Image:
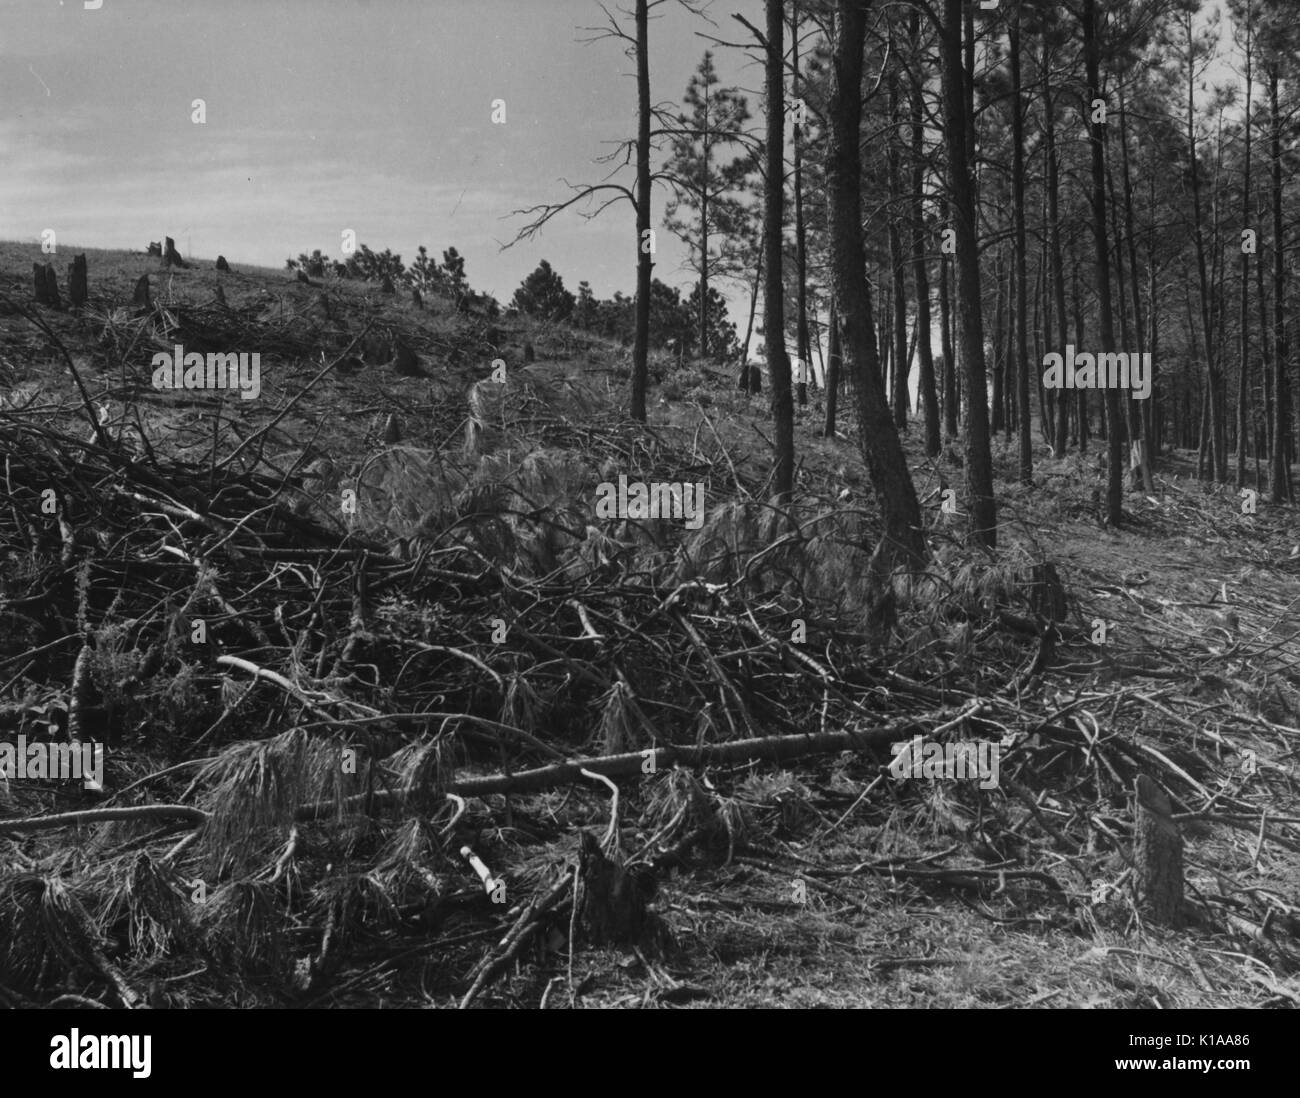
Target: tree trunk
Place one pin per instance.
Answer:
(979, 461)
(1026, 470)
(833, 357)
(920, 275)
(1243, 378)
(1279, 479)
(753, 305)
(903, 540)
(897, 264)
(1212, 382)
(778, 362)
(949, 364)
(1097, 135)
(800, 236)
(644, 264)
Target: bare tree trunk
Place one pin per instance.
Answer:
(979, 461)
(778, 362)
(1026, 469)
(920, 274)
(897, 265)
(1243, 379)
(753, 305)
(833, 358)
(800, 236)
(1279, 479)
(950, 400)
(1062, 439)
(903, 540)
(1097, 135)
(1144, 418)
(644, 264)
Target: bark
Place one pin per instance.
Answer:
(801, 236)
(778, 362)
(644, 264)
(1279, 478)
(920, 274)
(979, 463)
(903, 539)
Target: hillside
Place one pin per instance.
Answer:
(336, 635)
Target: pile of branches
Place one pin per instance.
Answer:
(314, 741)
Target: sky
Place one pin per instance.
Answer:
(328, 115)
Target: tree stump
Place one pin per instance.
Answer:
(155, 248)
(222, 265)
(1157, 855)
(392, 429)
(47, 286)
(141, 295)
(529, 354)
(375, 349)
(1047, 593)
(406, 363)
(77, 288)
(614, 899)
(40, 289)
(755, 380)
(171, 257)
(221, 297)
(416, 299)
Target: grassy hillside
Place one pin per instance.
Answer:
(333, 635)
